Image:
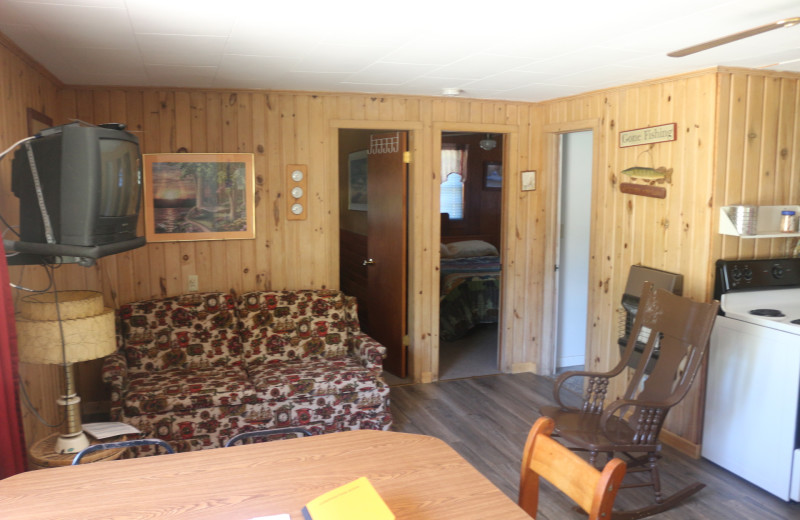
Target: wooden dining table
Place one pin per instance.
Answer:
(419, 477)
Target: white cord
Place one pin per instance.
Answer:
(16, 144)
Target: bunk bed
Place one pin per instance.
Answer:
(470, 287)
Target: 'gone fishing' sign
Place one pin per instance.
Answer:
(651, 134)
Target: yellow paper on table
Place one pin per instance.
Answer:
(354, 501)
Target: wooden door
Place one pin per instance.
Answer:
(387, 246)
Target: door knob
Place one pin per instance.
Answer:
(368, 261)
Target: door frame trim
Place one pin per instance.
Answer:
(414, 283)
(510, 178)
(551, 135)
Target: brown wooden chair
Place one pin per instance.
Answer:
(594, 491)
(674, 332)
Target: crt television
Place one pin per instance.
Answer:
(90, 181)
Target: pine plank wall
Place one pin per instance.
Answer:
(738, 142)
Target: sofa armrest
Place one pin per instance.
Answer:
(368, 351)
(115, 375)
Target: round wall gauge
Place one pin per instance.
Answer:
(297, 209)
(297, 192)
(297, 176)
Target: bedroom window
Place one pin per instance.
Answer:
(451, 195)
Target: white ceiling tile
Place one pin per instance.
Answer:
(120, 4)
(334, 58)
(69, 19)
(429, 51)
(171, 76)
(15, 13)
(108, 61)
(254, 67)
(198, 17)
(389, 73)
(324, 82)
(502, 50)
(435, 84)
(478, 66)
(542, 92)
(263, 41)
(153, 45)
(602, 76)
(507, 80)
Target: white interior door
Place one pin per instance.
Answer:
(573, 262)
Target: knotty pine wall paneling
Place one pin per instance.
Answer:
(674, 233)
(24, 84)
(281, 128)
(758, 152)
(289, 127)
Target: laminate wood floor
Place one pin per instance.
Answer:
(486, 420)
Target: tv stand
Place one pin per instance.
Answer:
(34, 252)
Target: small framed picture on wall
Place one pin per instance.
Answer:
(492, 175)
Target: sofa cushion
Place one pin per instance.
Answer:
(338, 393)
(182, 391)
(189, 331)
(291, 326)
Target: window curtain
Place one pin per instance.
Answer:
(12, 445)
(454, 160)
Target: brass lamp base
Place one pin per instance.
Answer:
(74, 440)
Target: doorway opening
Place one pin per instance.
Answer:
(575, 208)
(373, 236)
(470, 271)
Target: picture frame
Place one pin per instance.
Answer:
(199, 196)
(37, 121)
(357, 181)
(492, 175)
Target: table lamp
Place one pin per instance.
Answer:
(79, 329)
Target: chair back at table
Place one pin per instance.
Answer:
(592, 489)
(265, 434)
(121, 444)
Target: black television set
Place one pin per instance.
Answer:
(90, 187)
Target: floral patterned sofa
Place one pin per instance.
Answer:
(196, 369)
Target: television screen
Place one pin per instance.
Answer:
(120, 178)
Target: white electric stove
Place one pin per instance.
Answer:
(753, 385)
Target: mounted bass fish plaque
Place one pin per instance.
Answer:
(650, 176)
(649, 135)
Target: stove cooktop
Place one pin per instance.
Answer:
(773, 308)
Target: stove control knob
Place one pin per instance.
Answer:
(736, 275)
(747, 274)
(777, 271)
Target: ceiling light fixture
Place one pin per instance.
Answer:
(488, 143)
(452, 92)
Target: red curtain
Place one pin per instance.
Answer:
(12, 445)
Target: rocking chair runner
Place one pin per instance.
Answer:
(678, 330)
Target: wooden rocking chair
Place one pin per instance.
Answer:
(675, 333)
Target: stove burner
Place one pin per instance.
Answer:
(795, 322)
(770, 313)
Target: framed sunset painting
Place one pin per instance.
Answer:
(206, 196)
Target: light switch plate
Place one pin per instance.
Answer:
(192, 284)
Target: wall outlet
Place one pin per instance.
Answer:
(193, 283)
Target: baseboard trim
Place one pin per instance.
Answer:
(518, 368)
(679, 443)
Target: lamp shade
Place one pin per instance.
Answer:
(88, 328)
